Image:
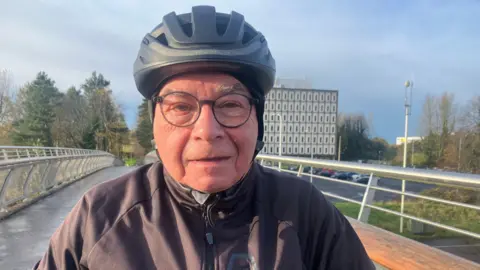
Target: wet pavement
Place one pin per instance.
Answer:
(24, 236)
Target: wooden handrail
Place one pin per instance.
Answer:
(396, 252)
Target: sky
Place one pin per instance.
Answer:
(364, 49)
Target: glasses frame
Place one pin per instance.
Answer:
(251, 101)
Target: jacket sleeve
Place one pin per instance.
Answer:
(65, 248)
(336, 244)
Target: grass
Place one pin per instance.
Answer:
(462, 218)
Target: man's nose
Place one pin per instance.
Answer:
(206, 127)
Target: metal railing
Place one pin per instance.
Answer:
(29, 171)
(448, 179)
(9, 153)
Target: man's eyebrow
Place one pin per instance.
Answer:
(237, 87)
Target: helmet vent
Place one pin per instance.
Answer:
(187, 29)
(247, 36)
(163, 39)
(221, 25)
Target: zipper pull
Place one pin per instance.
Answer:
(209, 236)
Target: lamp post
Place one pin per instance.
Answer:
(280, 142)
(408, 106)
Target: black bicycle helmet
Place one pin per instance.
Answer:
(205, 40)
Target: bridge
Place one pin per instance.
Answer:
(39, 186)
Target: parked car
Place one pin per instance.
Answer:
(340, 175)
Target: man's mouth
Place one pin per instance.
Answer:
(211, 159)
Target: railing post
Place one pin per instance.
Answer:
(300, 170)
(4, 189)
(18, 153)
(368, 197)
(5, 155)
(402, 203)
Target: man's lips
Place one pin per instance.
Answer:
(210, 159)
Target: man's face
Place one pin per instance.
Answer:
(205, 155)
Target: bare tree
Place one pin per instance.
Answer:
(6, 106)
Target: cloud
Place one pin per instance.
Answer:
(365, 49)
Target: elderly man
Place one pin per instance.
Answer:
(207, 205)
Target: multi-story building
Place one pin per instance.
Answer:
(308, 121)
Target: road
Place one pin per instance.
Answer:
(24, 236)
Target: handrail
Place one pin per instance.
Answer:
(27, 152)
(34, 170)
(417, 175)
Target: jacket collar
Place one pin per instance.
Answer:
(224, 203)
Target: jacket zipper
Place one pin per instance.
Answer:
(209, 247)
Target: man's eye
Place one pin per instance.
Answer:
(230, 104)
(182, 107)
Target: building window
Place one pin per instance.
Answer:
(290, 129)
(328, 97)
(334, 108)
(291, 107)
(290, 117)
(320, 129)
(271, 138)
(283, 138)
(277, 140)
(326, 150)
(296, 107)
(308, 139)
(333, 118)
(321, 119)
(302, 130)
(289, 149)
(271, 128)
(320, 140)
(308, 118)
(326, 129)
(326, 119)
(314, 129)
(303, 96)
(266, 128)
(271, 117)
(309, 107)
(278, 128)
(296, 139)
(314, 140)
(296, 150)
(303, 107)
(296, 129)
(296, 118)
(303, 118)
(301, 140)
(332, 140)
(321, 96)
(334, 97)
(272, 106)
(321, 108)
(314, 118)
(271, 149)
(327, 108)
(289, 139)
(277, 150)
(301, 149)
(284, 106)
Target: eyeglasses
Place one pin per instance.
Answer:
(182, 109)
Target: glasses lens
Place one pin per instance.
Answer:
(180, 109)
(232, 110)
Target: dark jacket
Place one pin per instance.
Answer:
(146, 220)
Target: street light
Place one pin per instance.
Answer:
(408, 107)
(280, 149)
